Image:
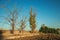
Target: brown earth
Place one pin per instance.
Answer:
(30, 36)
(39, 37)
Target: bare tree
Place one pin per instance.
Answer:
(32, 21)
(22, 24)
(11, 18)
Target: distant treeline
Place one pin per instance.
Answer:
(46, 29)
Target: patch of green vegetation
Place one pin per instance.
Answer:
(45, 29)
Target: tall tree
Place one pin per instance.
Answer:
(32, 21)
(11, 18)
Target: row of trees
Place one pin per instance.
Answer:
(45, 29)
(11, 19)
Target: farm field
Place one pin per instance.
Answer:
(31, 36)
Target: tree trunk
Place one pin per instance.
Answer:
(12, 31)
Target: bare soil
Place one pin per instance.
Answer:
(39, 37)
